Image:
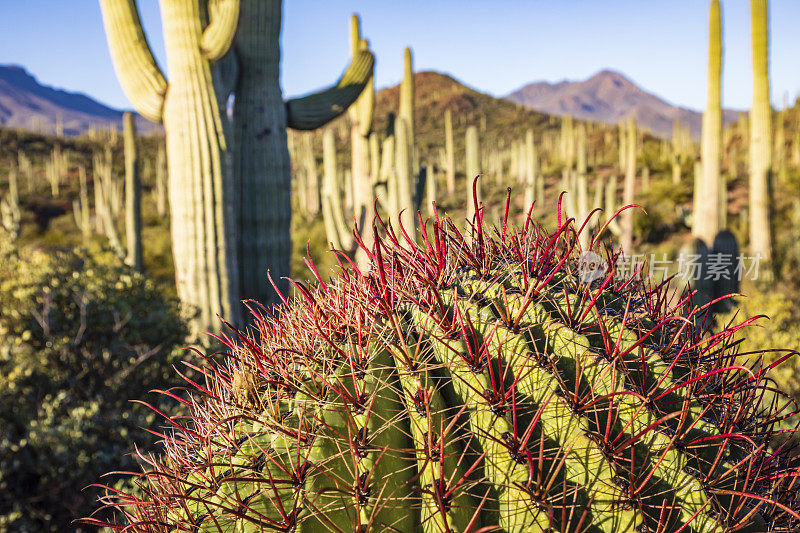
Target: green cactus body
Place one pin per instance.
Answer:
(80, 207)
(336, 226)
(430, 190)
(161, 181)
(197, 139)
(707, 219)
(361, 113)
(693, 272)
(133, 195)
(760, 135)
(450, 156)
(532, 169)
(726, 253)
(473, 169)
(475, 385)
(628, 189)
(10, 214)
(406, 109)
(403, 177)
(229, 225)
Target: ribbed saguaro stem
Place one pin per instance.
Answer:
(473, 166)
(200, 187)
(161, 181)
(336, 227)
(361, 113)
(406, 110)
(403, 176)
(133, 194)
(261, 165)
(450, 156)
(707, 207)
(760, 135)
(626, 218)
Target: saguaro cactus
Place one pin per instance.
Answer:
(450, 154)
(10, 215)
(760, 135)
(197, 140)
(133, 195)
(707, 219)
(228, 228)
(261, 172)
(473, 166)
(361, 113)
(406, 109)
(161, 181)
(626, 219)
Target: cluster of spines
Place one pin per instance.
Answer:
(480, 383)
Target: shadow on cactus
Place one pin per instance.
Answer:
(474, 383)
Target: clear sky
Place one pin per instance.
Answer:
(493, 45)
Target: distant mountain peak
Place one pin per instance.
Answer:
(609, 96)
(28, 104)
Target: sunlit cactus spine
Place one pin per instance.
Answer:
(760, 135)
(707, 219)
(475, 385)
(133, 194)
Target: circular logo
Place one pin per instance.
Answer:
(591, 266)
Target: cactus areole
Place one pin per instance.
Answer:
(472, 385)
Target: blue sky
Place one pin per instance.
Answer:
(493, 45)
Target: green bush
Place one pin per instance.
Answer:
(777, 305)
(80, 335)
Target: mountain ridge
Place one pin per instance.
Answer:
(610, 96)
(27, 103)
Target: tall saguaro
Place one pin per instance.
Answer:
(197, 141)
(133, 194)
(760, 135)
(361, 114)
(626, 218)
(229, 226)
(707, 219)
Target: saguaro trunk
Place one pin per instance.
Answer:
(707, 208)
(760, 135)
(133, 195)
(196, 138)
(261, 168)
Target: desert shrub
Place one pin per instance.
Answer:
(777, 303)
(80, 335)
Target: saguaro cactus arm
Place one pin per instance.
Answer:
(317, 109)
(218, 35)
(139, 74)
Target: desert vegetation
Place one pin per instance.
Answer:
(452, 365)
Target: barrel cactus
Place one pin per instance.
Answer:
(474, 383)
